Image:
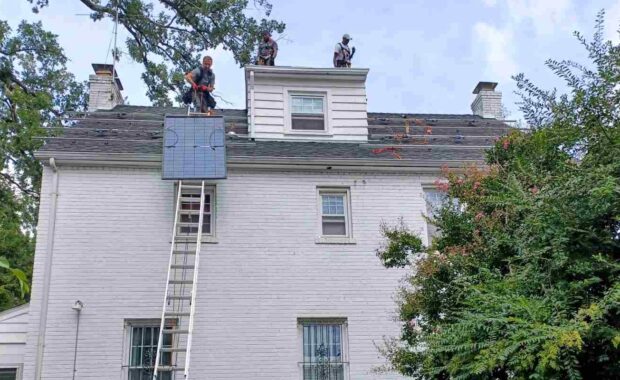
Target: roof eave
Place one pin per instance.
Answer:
(281, 163)
(329, 73)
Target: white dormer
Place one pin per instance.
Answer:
(298, 103)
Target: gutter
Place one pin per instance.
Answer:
(47, 274)
(297, 163)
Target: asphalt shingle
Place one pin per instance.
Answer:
(392, 136)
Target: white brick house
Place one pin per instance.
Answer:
(276, 278)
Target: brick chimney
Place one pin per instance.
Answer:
(488, 102)
(105, 88)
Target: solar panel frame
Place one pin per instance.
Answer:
(194, 148)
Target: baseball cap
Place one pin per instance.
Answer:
(347, 36)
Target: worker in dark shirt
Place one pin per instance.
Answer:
(267, 50)
(202, 80)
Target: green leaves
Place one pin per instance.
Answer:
(36, 90)
(170, 36)
(401, 246)
(523, 283)
(18, 274)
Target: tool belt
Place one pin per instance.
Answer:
(266, 61)
(342, 63)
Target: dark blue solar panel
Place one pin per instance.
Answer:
(194, 148)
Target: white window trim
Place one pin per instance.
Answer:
(328, 239)
(211, 237)
(327, 320)
(327, 98)
(19, 373)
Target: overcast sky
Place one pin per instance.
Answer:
(424, 56)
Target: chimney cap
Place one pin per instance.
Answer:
(485, 86)
(105, 69)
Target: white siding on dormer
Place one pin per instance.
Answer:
(346, 107)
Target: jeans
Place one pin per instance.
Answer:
(203, 101)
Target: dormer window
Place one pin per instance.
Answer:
(307, 112)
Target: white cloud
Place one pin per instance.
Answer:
(546, 16)
(612, 22)
(497, 48)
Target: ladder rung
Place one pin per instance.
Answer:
(173, 349)
(184, 252)
(175, 331)
(191, 186)
(189, 282)
(177, 314)
(181, 266)
(180, 298)
(169, 368)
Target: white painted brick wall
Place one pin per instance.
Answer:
(111, 252)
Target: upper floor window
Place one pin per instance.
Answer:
(434, 201)
(335, 215)
(190, 212)
(307, 112)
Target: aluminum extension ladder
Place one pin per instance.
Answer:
(179, 308)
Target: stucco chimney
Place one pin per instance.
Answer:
(488, 102)
(105, 88)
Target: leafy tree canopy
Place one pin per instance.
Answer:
(168, 36)
(35, 91)
(523, 280)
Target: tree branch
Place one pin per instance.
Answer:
(20, 187)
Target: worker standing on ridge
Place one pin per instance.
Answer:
(343, 52)
(202, 80)
(267, 50)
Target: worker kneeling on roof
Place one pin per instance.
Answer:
(202, 80)
(343, 52)
(267, 50)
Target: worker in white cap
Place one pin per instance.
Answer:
(343, 52)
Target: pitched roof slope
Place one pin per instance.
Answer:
(391, 136)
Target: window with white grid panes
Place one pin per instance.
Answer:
(307, 112)
(323, 350)
(190, 212)
(335, 215)
(143, 350)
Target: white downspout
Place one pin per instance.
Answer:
(252, 110)
(47, 274)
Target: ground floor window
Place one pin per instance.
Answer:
(8, 373)
(143, 349)
(324, 349)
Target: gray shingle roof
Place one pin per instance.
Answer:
(392, 136)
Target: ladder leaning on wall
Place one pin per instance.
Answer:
(179, 307)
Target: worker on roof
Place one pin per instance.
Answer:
(202, 80)
(343, 52)
(267, 50)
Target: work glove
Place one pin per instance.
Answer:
(194, 86)
(204, 88)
